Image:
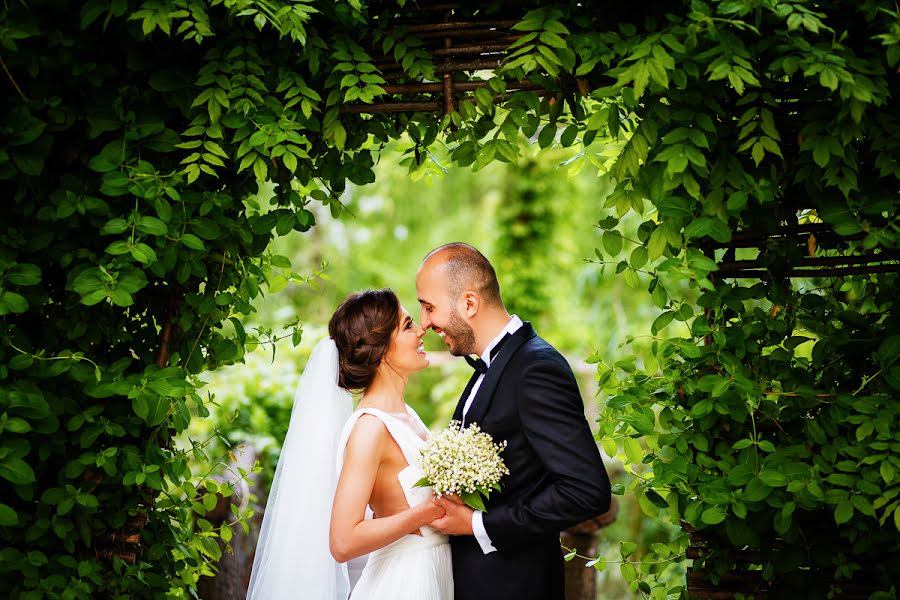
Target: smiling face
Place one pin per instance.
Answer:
(441, 313)
(406, 354)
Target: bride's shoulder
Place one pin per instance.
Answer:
(367, 430)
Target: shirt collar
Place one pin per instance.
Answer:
(511, 327)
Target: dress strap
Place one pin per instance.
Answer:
(405, 437)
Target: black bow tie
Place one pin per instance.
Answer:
(478, 363)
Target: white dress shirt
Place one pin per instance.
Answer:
(477, 517)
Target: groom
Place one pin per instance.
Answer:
(522, 391)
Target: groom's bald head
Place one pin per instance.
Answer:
(465, 268)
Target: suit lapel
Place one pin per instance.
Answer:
(485, 393)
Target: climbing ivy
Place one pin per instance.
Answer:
(134, 137)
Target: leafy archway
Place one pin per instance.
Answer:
(134, 134)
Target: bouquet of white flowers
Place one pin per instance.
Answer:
(465, 462)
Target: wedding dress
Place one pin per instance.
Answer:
(293, 560)
(415, 567)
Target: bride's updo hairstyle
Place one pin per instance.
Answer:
(362, 328)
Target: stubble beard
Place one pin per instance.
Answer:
(462, 334)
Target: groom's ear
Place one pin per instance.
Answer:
(471, 303)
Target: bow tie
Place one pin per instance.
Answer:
(478, 363)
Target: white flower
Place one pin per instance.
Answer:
(465, 462)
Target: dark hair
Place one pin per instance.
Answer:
(363, 328)
(467, 269)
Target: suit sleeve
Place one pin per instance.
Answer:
(552, 418)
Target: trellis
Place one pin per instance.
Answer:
(805, 239)
(459, 46)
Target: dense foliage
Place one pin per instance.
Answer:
(132, 146)
(771, 427)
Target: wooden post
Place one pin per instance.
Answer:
(581, 582)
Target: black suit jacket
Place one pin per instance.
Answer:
(556, 479)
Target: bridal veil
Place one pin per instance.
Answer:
(293, 559)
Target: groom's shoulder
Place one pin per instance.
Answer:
(537, 349)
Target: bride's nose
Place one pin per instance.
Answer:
(420, 331)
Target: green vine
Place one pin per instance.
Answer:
(132, 152)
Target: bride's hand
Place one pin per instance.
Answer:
(430, 511)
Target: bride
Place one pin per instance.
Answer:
(337, 469)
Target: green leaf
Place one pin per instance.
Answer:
(20, 362)
(843, 512)
(639, 258)
(568, 135)
(143, 253)
(16, 470)
(713, 515)
(633, 451)
(152, 225)
(657, 243)
(708, 227)
(140, 407)
(756, 490)
(17, 425)
(841, 479)
(661, 322)
(24, 274)
(632, 279)
(609, 447)
(862, 504)
(290, 161)
(766, 446)
(773, 478)
(864, 430)
(547, 135)
(193, 242)
(114, 226)
(484, 155)
(659, 296)
(612, 242)
(8, 516)
(340, 136)
(121, 298)
(157, 410)
(552, 39)
(473, 500)
(11, 302)
(821, 152)
(260, 169)
(118, 248)
(279, 261)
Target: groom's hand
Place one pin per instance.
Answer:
(457, 521)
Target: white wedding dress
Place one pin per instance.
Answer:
(415, 567)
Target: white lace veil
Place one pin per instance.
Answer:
(293, 559)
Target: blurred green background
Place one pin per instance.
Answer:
(535, 221)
